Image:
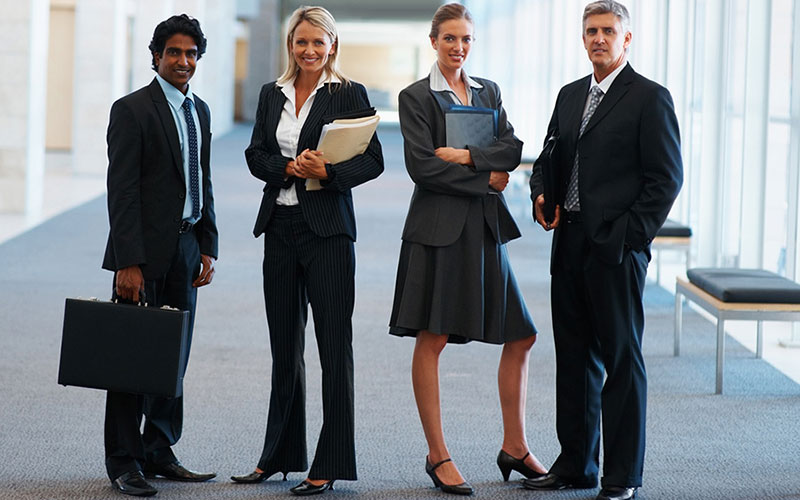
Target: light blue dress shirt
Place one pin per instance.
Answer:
(175, 99)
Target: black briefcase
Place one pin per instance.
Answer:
(123, 347)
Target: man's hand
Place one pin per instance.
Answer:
(498, 180)
(206, 271)
(538, 214)
(129, 282)
(454, 155)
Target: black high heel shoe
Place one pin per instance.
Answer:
(306, 488)
(507, 463)
(256, 477)
(456, 489)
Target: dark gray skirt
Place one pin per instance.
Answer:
(465, 290)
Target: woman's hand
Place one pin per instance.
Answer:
(498, 180)
(310, 165)
(454, 155)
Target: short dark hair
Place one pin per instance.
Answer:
(447, 12)
(177, 24)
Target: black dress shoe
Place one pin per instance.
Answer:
(133, 483)
(256, 477)
(456, 489)
(176, 472)
(507, 463)
(306, 488)
(616, 493)
(551, 481)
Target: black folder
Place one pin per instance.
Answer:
(123, 347)
(470, 126)
(548, 163)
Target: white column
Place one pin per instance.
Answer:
(706, 190)
(756, 115)
(147, 14)
(214, 79)
(24, 29)
(100, 59)
(266, 46)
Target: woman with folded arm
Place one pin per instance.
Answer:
(454, 281)
(308, 251)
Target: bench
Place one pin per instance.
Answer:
(672, 236)
(736, 294)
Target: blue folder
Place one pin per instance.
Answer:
(470, 126)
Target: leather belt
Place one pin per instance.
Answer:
(572, 217)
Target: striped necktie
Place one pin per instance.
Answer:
(194, 171)
(572, 202)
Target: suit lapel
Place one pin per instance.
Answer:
(618, 89)
(479, 98)
(274, 109)
(313, 124)
(574, 112)
(168, 124)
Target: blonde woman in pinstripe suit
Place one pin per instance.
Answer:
(308, 251)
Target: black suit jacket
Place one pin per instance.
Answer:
(443, 191)
(328, 211)
(630, 167)
(146, 185)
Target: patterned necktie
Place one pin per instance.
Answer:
(572, 203)
(194, 181)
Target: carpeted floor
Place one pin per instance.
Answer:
(741, 445)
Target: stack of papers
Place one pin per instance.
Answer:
(343, 139)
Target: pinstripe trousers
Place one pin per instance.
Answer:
(299, 268)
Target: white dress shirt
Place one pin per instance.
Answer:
(289, 127)
(175, 99)
(604, 86)
(439, 83)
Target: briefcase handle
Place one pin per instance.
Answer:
(142, 299)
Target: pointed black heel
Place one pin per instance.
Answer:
(456, 489)
(306, 488)
(256, 477)
(507, 463)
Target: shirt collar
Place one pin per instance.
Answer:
(288, 87)
(438, 82)
(607, 81)
(174, 96)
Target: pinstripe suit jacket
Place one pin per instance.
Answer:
(328, 211)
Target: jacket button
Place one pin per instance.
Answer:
(182, 196)
(176, 219)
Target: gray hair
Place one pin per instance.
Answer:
(606, 7)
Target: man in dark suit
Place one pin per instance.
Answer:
(163, 237)
(619, 169)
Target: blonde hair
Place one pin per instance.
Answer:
(320, 18)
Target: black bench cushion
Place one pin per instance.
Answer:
(745, 285)
(674, 229)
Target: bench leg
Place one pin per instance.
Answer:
(720, 353)
(759, 339)
(678, 318)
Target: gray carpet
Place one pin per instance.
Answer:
(742, 445)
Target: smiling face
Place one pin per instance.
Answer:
(177, 64)
(311, 46)
(605, 42)
(452, 44)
